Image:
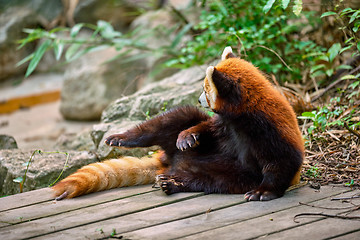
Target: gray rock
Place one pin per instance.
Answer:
(183, 88)
(91, 84)
(12, 22)
(7, 142)
(44, 168)
(119, 13)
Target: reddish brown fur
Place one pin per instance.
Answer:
(267, 99)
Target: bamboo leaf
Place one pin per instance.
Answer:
(28, 58)
(180, 35)
(58, 49)
(38, 54)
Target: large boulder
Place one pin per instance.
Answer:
(91, 84)
(182, 88)
(44, 168)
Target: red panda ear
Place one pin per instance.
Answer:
(226, 87)
(227, 53)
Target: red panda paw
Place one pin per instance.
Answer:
(115, 140)
(187, 140)
(256, 195)
(169, 184)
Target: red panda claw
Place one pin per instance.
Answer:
(62, 196)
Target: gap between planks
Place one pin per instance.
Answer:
(161, 223)
(235, 214)
(273, 224)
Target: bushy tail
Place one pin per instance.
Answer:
(122, 172)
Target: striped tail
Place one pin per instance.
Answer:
(122, 172)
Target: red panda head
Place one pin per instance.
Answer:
(217, 85)
(232, 85)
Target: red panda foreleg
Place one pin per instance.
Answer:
(189, 138)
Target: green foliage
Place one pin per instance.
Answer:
(67, 40)
(330, 116)
(313, 172)
(265, 40)
(350, 184)
(297, 7)
(349, 20)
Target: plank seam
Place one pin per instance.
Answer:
(74, 209)
(233, 223)
(120, 215)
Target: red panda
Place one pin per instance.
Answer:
(252, 144)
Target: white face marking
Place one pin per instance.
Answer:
(203, 101)
(226, 51)
(212, 92)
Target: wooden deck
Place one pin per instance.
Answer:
(146, 213)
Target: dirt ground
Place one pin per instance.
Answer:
(39, 127)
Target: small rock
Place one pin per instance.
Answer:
(7, 142)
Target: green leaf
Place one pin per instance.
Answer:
(316, 68)
(58, 49)
(71, 51)
(309, 115)
(358, 46)
(75, 29)
(180, 35)
(345, 49)
(344, 67)
(285, 3)
(18, 180)
(329, 72)
(325, 14)
(334, 51)
(348, 77)
(297, 8)
(28, 58)
(268, 5)
(353, 17)
(354, 84)
(106, 30)
(346, 11)
(38, 54)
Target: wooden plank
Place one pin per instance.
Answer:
(179, 210)
(323, 229)
(70, 219)
(52, 207)
(25, 199)
(274, 222)
(223, 217)
(349, 236)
